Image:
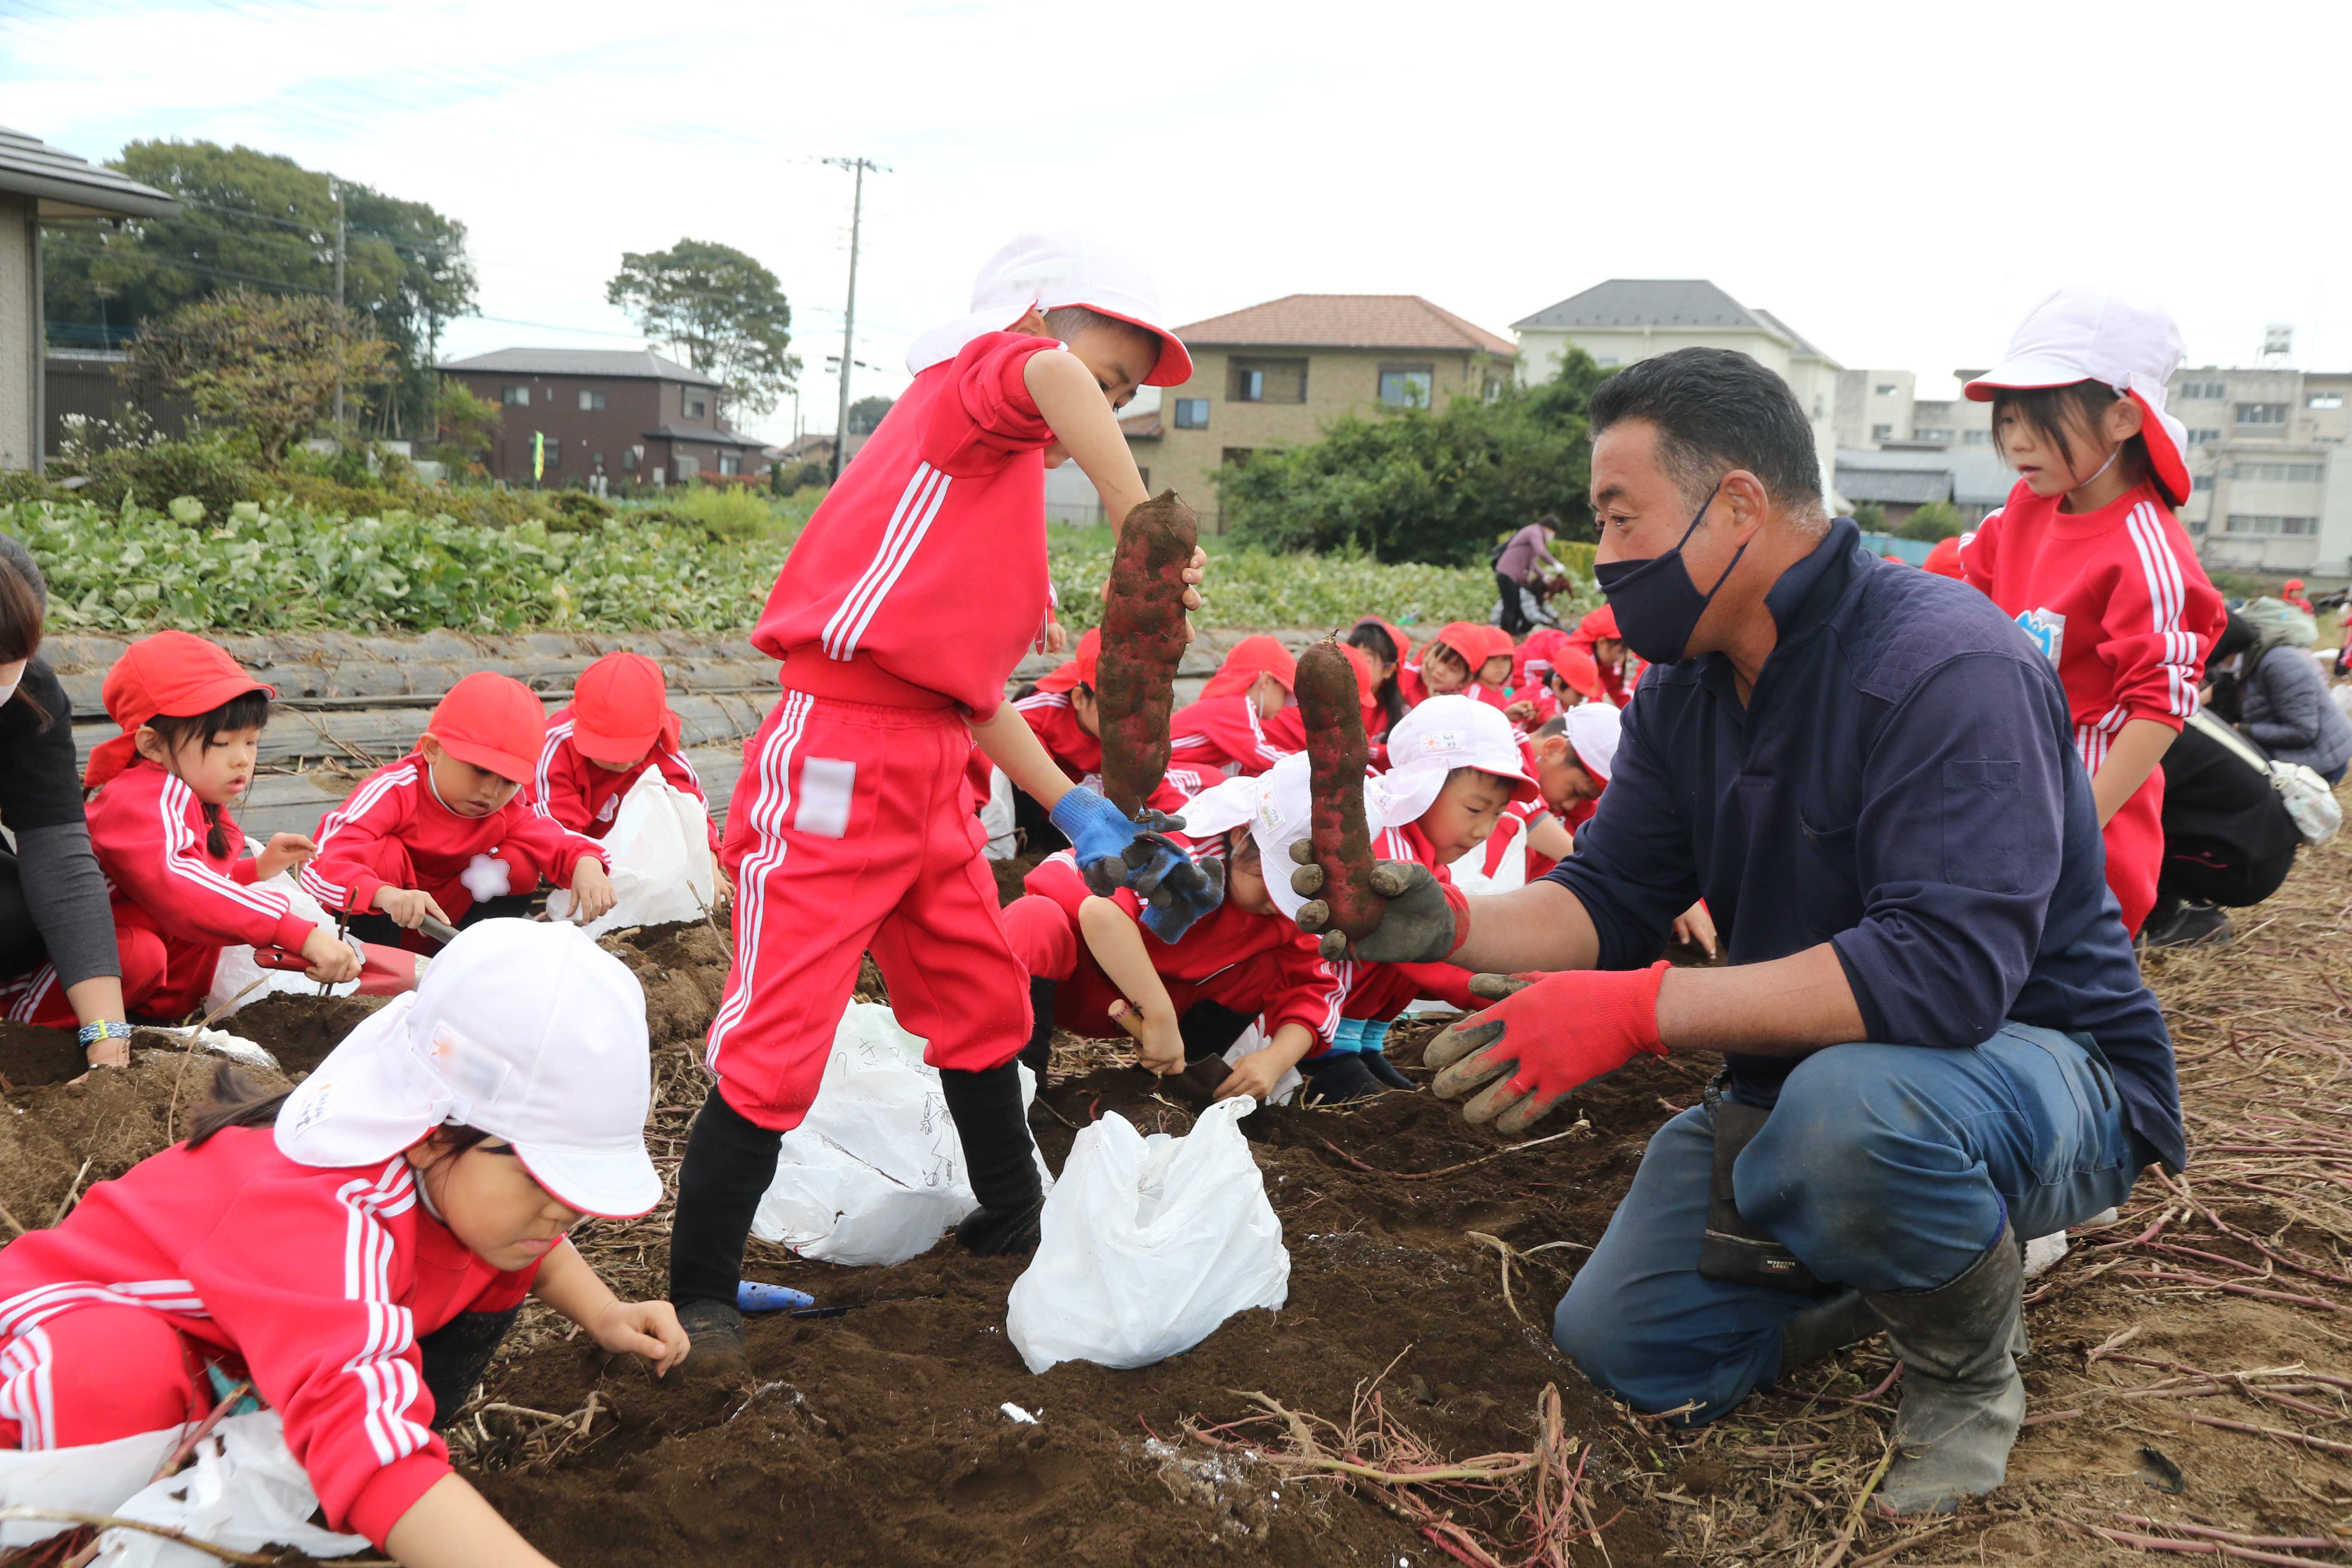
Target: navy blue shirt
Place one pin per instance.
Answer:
(1903, 783)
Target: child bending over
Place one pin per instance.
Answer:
(617, 727)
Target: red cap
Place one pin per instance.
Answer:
(169, 674)
(1467, 639)
(1246, 660)
(1600, 623)
(1079, 670)
(493, 721)
(620, 707)
(2293, 586)
(1944, 560)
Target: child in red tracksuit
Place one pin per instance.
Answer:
(173, 859)
(1094, 970)
(2088, 556)
(354, 1251)
(1387, 647)
(853, 829)
(617, 727)
(1464, 658)
(445, 829)
(1224, 734)
(1061, 711)
(1593, 665)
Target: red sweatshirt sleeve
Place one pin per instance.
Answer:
(553, 849)
(557, 791)
(303, 1275)
(1218, 730)
(1979, 549)
(342, 875)
(2162, 617)
(1313, 990)
(157, 857)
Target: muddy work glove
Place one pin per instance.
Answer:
(1425, 922)
(1544, 1038)
(1114, 852)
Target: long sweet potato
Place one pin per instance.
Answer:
(1142, 642)
(1336, 755)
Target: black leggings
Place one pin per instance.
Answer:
(1514, 618)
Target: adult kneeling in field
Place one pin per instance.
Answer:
(1934, 1037)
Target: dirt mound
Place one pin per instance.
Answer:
(299, 1030)
(31, 1055)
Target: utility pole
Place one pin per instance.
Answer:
(338, 191)
(849, 313)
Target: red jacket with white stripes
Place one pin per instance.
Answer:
(1218, 738)
(396, 807)
(942, 514)
(1305, 990)
(576, 794)
(2115, 598)
(1385, 989)
(316, 1283)
(148, 829)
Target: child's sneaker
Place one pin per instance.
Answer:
(1339, 1079)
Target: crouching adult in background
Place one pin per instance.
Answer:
(1934, 1036)
(2229, 839)
(2276, 695)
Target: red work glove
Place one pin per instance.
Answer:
(1544, 1039)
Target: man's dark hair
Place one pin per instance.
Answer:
(1716, 410)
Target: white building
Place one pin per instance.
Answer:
(2267, 457)
(1629, 318)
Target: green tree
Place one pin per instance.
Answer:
(264, 364)
(1428, 485)
(463, 425)
(1870, 518)
(719, 306)
(262, 221)
(866, 414)
(1936, 519)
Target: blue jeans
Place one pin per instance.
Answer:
(1883, 1167)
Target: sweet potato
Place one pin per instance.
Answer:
(1336, 755)
(1142, 641)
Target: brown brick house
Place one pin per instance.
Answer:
(1276, 374)
(630, 413)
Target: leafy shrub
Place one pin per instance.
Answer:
(1870, 518)
(726, 514)
(216, 470)
(1936, 521)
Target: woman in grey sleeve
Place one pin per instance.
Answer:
(53, 900)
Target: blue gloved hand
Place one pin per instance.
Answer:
(1113, 852)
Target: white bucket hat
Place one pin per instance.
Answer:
(525, 1030)
(1279, 810)
(1044, 272)
(2084, 334)
(1448, 732)
(1592, 730)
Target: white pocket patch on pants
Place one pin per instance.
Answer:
(826, 786)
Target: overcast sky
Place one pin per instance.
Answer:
(1900, 191)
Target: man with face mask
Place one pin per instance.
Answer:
(1934, 1036)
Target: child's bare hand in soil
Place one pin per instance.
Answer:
(1695, 927)
(724, 894)
(647, 1329)
(409, 907)
(1158, 1044)
(1255, 1075)
(592, 891)
(282, 851)
(332, 962)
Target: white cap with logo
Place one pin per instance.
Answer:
(1044, 272)
(525, 1030)
(1453, 731)
(2086, 333)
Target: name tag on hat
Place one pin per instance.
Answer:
(475, 1076)
(1445, 741)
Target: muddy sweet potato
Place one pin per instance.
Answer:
(1142, 641)
(1337, 754)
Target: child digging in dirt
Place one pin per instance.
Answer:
(442, 834)
(173, 858)
(917, 585)
(1224, 734)
(1095, 970)
(357, 1249)
(617, 727)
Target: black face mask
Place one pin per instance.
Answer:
(1658, 606)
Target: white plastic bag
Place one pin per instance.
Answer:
(996, 819)
(95, 1477)
(244, 1492)
(660, 852)
(875, 1172)
(1149, 1243)
(236, 970)
(1253, 1040)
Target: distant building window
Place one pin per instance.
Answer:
(515, 396)
(2204, 391)
(697, 406)
(2323, 400)
(1883, 389)
(1941, 438)
(553, 449)
(2280, 473)
(2200, 481)
(730, 462)
(687, 468)
(2199, 437)
(1268, 381)
(1492, 390)
(1882, 432)
(2261, 413)
(1407, 385)
(2267, 524)
(1975, 437)
(590, 401)
(1191, 414)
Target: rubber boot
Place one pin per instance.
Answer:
(1828, 1325)
(1039, 1051)
(998, 1157)
(729, 1163)
(1963, 1400)
(456, 1356)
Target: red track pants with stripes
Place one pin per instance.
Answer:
(95, 1375)
(852, 830)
